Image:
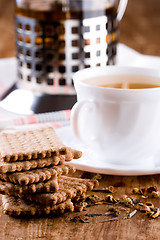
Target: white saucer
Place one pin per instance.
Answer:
(86, 163)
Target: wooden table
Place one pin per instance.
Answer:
(139, 30)
(139, 227)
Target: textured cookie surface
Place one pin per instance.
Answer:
(33, 144)
(69, 187)
(32, 164)
(18, 207)
(37, 175)
(26, 165)
(12, 189)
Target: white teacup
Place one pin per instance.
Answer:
(119, 123)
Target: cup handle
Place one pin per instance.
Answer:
(121, 9)
(75, 113)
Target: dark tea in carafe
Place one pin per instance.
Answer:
(55, 39)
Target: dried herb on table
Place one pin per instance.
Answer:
(142, 191)
(84, 220)
(143, 208)
(155, 194)
(75, 219)
(109, 189)
(139, 191)
(109, 198)
(79, 206)
(135, 201)
(135, 191)
(149, 204)
(98, 177)
(92, 199)
(128, 202)
(108, 213)
(113, 211)
(79, 219)
(151, 189)
(154, 214)
(130, 215)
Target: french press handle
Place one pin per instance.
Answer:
(121, 9)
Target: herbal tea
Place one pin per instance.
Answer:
(125, 82)
(124, 127)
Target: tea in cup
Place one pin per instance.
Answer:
(117, 114)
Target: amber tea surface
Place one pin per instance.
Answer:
(125, 82)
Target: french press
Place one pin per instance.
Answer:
(55, 39)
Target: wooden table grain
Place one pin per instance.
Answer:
(139, 29)
(139, 227)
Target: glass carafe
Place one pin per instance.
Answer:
(56, 38)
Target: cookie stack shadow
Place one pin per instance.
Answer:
(33, 174)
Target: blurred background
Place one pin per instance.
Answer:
(139, 28)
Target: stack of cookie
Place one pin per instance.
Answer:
(33, 173)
